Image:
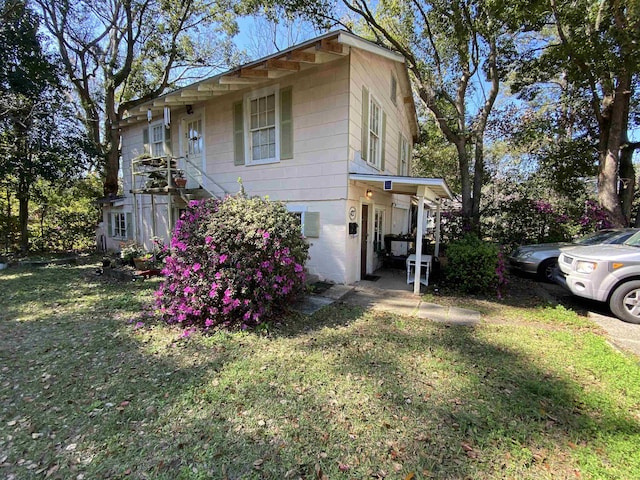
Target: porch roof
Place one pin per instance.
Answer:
(405, 185)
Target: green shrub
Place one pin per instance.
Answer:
(234, 263)
(474, 266)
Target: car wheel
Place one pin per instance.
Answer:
(625, 302)
(545, 270)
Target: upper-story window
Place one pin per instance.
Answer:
(263, 127)
(374, 121)
(404, 156)
(375, 133)
(157, 140)
(394, 89)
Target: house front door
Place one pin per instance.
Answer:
(194, 151)
(364, 235)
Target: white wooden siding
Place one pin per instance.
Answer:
(326, 120)
(374, 72)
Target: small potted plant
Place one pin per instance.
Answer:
(179, 180)
(144, 262)
(129, 251)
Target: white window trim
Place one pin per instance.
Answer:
(246, 109)
(405, 143)
(393, 93)
(382, 214)
(301, 209)
(112, 233)
(163, 141)
(376, 162)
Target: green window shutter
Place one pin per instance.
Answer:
(365, 123)
(167, 142)
(409, 157)
(312, 224)
(286, 124)
(383, 140)
(109, 224)
(238, 134)
(127, 217)
(145, 139)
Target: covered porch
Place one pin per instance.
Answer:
(423, 191)
(390, 279)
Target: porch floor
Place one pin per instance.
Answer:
(391, 293)
(393, 279)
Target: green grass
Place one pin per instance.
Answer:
(534, 392)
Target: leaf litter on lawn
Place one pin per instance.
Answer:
(375, 394)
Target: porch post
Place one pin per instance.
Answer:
(136, 233)
(419, 232)
(436, 251)
(153, 215)
(135, 218)
(169, 214)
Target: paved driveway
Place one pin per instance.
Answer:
(623, 335)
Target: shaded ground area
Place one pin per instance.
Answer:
(90, 388)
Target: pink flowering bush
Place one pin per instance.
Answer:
(594, 217)
(234, 263)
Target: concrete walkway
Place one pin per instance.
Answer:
(401, 302)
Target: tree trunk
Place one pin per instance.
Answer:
(611, 134)
(627, 170)
(465, 183)
(9, 232)
(478, 176)
(111, 144)
(112, 166)
(23, 216)
(627, 182)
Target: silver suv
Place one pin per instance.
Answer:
(542, 259)
(606, 273)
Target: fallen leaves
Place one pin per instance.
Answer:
(468, 450)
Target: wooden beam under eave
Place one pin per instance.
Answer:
(216, 87)
(236, 80)
(253, 73)
(277, 64)
(197, 95)
(301, 57)
(168, 101)
(329, 47)
(407, 100)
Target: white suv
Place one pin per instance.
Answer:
(606, 273)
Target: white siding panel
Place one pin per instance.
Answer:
(327, 252)
(375, 73)
(320, 112)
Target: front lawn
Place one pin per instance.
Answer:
(87, 392)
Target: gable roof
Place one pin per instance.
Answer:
(309, 54)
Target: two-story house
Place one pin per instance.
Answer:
(326, 126)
